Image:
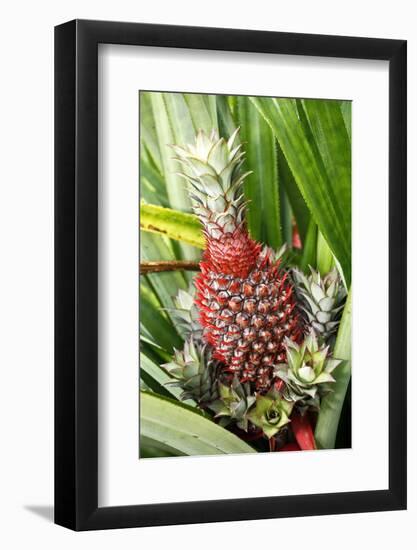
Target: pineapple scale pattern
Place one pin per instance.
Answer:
(247, 319)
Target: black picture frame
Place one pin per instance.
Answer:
(76, 271)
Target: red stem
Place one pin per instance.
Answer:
(303, 432)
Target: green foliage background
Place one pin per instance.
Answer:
(300, 153)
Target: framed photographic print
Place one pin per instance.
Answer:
(230, 275)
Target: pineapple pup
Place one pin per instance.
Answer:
(253, 314)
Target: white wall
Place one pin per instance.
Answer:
(26, 303)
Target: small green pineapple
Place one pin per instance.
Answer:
(270, 413)
(233, 404)
(321, 299)
(195, 373)
(185, 314)
(307, 370)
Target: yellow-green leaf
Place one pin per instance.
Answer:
(171, 223)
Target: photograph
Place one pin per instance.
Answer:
(208, 275)
(245, 274)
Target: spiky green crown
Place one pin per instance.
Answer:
(211, 167)
(271, 413)
(194, 371)
(308, 367)
(321, 299)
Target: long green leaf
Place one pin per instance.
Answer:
(155, 321)
(157, 379)
(227, 124)
(308, 167)
(286, 216)
(309, 257)
(171, 223)
(261, 186)
(173, 125)
(346, 108)
(152, 185)
(163, 114)
(156, 449)
(151, 349)
(155, 247)
(202, 109)
(184, 430)
(287, 183)
(329, 130)
(331, 405)
(161, 286)
(325, 260)
(148, 136)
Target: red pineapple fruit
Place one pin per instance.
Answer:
(247, 305)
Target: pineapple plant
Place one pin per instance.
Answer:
(306, 371)
(186, 315)
(321, 299)
(194, 372)
(258, 351)
(235, 401)
(271, 413)
(247, 304)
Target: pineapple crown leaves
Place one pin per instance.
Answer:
(211, 168)
(194, 372)
(234, 402)
(321, 299)
(308, 365)
(270, 413)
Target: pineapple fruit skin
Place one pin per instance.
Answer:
(247, 318)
